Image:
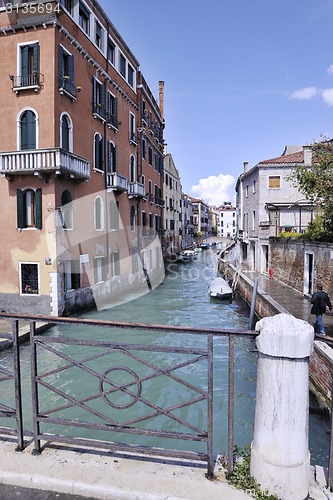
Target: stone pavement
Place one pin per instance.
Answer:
(291, 300)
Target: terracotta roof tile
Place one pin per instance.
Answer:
(292, 158)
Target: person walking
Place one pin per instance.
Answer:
(319, 301)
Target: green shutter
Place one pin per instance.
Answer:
(71, 69)
(24, 61)
(60, 62)
(20, 209)
(103, 153)
(103, 99)
(94, 95)
(36, 63)
(38, 209)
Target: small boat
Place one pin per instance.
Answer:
(205, 246)
(198, 250)
(182, 257)
(219, 289)
(190, 253)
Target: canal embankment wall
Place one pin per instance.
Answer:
(321, 360)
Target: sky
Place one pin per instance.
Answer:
(243, 79)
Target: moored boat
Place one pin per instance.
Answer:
(219, 289)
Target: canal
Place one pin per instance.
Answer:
(183, 300)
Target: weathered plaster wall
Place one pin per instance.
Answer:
(287, 262)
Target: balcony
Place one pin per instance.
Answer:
(44, 162)
(136, 190)
(117, 182)
(67, 88)
(112, 120)
(27, 82)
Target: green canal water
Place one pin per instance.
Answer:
(181, 300)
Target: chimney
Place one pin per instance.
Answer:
(307, 151)
(246, 166)
(161, 97)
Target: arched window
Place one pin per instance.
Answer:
(29, 208)
(112, 157)
(66, 133)
(99, 213)
(99, 152)
(132, 175)
(67, 210)
(28, 130)
(132, 218)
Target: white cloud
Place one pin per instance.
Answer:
(330, 69)
(327, 96)
(303, 94)
(215, 189)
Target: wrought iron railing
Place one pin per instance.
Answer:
(120, 376)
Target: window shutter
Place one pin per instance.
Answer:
(94, 95)
(24, 61)
(38, 208)
(20, 209)
(109, 156)
(71, 68)
(36, 63)
(97, 152)
(115, 111)
(103, 99)
(60, 62)
(102, 143)
(115, 167)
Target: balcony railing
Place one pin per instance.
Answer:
(44, 161)
(32, 81)
(136, 190)
(117, 182)
(111, 120)
(67, 87)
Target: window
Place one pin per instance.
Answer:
(132, 137)
(114, 214)
(112, 114)
(66, 133)
(247, 191)
(274, 182)
(254, 186)
(122, 65)
(111, 52)
(115, 264)
(66, 72)
(130, 75)
(28, 130)
(132, 218)
(72, 278)
(100, 269)
(99, 152)
(143, 110)
(143, 144)
(132, 176)
(150, 156)
(84, 18)
(112, 158)
(253, 219)
(99, 213)
(99, 35)
(67, 210)
(68, 4)
(99, 99)
(29, 65)
(29, 278)
(29, 208)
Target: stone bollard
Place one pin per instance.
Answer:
(280, 458)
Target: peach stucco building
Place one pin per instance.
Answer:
(81, 158)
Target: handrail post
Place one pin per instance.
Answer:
(18, 391)
(231, 390)
(330, 463)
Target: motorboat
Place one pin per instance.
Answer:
(187, 256)
(198, 250)
(219, 289)
(205, 246)
(190, 253)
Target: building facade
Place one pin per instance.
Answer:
(268, 204)
(227, 221)
(172, 193)
(201, 217)
(81, 159)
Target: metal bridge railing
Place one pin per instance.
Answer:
(120, 400)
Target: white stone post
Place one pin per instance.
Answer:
(280, 458)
